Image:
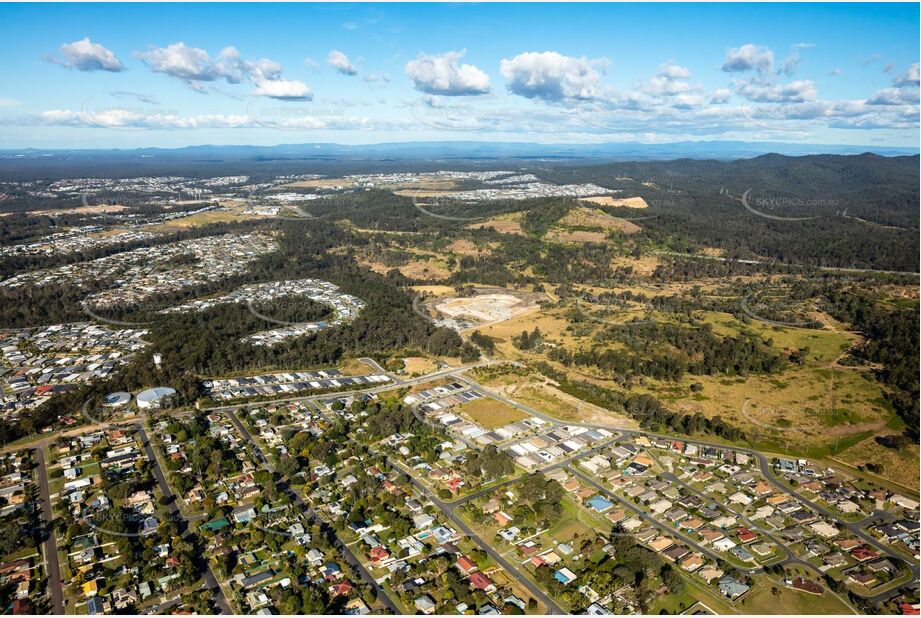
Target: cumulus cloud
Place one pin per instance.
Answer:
(749, 57)
(195, 66)
(688, 101)
(793, 92)
(341, 63)
(190, 64)
(84, 55)
(904, 90)
(720, 96)
(911, 77)
(283, 90)
(789, 64)
(674, 71)
(551, 76)
(668, 81)
(444, 75)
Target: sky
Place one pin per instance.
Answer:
(168, 75)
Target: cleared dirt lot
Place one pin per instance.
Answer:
(620, 202)
(488, 305)
(500, 225)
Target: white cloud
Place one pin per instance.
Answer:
(443, 75)
(182, 62)
(551, 76)
(341, 63)
(674, 71)
(663, 86)
(668, 81)
(377, 77)
(794, 92)
(193, 65)
(116, 118)
(720, 96)
(789, 64)
(688, 101)
(231, 64)
(749, 57)
(124, 118)
(84, 55)
(143, 97)
(904, 90)
(283, 89)
(911, 77)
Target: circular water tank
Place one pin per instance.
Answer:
(116, 400)
(152, 397)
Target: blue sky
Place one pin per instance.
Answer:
(126, 75)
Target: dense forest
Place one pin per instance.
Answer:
(865, 207)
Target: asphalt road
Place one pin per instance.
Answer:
(50, 545)
(315, 518)
(429, 377)
(856, 528)
(210, 579)
(448, 509)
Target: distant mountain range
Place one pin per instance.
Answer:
(326, 158)
(489, 150)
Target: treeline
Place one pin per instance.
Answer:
(891, 340)
(668, 351)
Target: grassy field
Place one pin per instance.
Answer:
(900, 466)
(824, 345)
(226, 215)
(354, 367)
(550, 325)
(418, 365)
(590, 218)
(489, 413)
(762, 601)
(414, 269)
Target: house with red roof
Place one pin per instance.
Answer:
(482, 582)
(379, 554)
(864, 553)
(745, 535)
(465, 565)
(341, 589)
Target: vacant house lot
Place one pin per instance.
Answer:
(490, 414)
